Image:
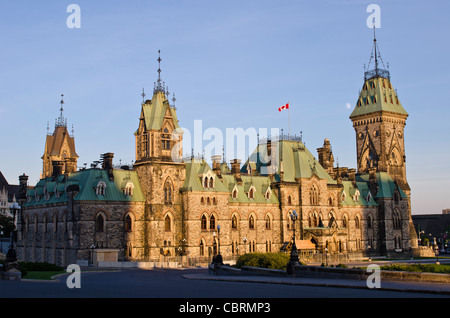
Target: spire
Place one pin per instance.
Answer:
(377, 71)
(159, 86)
(61, 122)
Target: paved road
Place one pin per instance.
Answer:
(171, 284)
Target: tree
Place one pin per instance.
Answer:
(6, 226)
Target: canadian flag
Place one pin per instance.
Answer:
(283, 107)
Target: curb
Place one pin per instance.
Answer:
(406, 289)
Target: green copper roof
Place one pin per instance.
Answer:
(352, 189)
(377, 94)
(155, 110)
(52, 191)
(196, 168)
(386, 185)
(297, 162)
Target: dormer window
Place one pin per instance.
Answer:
(128, 190)
(343, 196)
(234, 194)
(356, 196)
(267, 194)
(208, 180)
(251, 193)
(101, 188)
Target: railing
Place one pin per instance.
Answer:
(377, 72)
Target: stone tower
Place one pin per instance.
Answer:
(379, 121)
(59, 146)
(160, 169)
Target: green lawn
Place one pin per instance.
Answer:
(425, 268)
(42, 274)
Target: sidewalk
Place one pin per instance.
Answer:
(404, 286)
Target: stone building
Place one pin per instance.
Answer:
(170, 206)
(9, 194)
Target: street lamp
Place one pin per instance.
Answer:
(11, 256)
(436, 250)
(293, 261)
(218, 257)
(92, 253)
(245, 244)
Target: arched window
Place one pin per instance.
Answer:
(203, 226)
(165, 138)
(314, 195)
(167, 223)
(251, 193)
(168, 192)
(212, 223)
(310, 224)
(357, 225)
(251, 222)
(202, 249)
(205, 182)
(344, 222)
(268, 222)
(234, 195)
(128, 224)
(211, 182)
(99, 223)
(369, 222)
(289, 200)
(234, 222)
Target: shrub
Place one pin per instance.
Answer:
(264, 260)
(38, 267)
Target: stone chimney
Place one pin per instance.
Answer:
(23, 187)
(236, 169)
(70, 165)
(107, 164)
(325, 154)
(216, 165)
(352, 174)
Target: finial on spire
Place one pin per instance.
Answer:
(173, 100)
(143, 95)
(159, 86)
(61, 122)
(159, 66)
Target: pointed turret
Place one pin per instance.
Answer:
(155, 137)
(59, 146)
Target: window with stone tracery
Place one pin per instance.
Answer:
(165, 138)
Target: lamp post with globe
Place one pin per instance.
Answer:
(293, 261)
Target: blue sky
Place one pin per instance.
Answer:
(230, 64)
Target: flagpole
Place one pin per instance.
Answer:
(289, 109)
